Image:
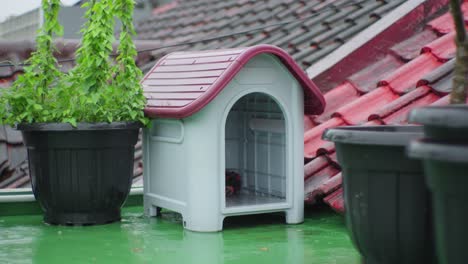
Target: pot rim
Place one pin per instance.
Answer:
(449, 152)
(82, 126)
(453, 116)
(385, 135)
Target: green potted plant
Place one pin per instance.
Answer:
(80, 128)
(444, 152)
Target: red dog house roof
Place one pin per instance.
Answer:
(182, 83)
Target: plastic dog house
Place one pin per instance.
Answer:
(238, 110)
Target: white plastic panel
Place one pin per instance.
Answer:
(255, 148)
(242, 129)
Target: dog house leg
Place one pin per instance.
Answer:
(150, 209)
(295, 216)
(203, 224)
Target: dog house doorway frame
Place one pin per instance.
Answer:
(289, 170)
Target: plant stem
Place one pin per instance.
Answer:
(458, 94)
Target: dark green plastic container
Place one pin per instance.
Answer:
(82, 175)
(387, 203)
(442, 123)
(446, 168)
(444, 152)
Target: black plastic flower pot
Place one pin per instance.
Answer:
(446, 169)
(442, 123)
(82, 175)
(386, 200)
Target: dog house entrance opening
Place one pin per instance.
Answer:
(255, 152)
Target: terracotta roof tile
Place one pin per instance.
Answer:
(411, 48)
(358, 111)
(444, 23)
(313, 138)
(320, 189)
(400, 117)
(442, 101)
(341, 95)
(443, 48)
(416, 72)
(399, 103)
(406, 77)
(440, 78)
(336, 201)
(184, 21)
(314, 166)
(313, 184)
(366, 79)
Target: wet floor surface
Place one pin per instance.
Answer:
(322, 239)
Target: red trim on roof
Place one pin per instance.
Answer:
(167, 84)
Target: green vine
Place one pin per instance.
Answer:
(127, 74)
(29, 99)
(98, 89)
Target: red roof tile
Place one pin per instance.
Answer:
(314, 166)
(411, 48)
(337, 97)
(444, 24)
(443, 48)
(318, 184)
(358, 111)
(325, 187)
(420, 73)
(336, 201)
(400, 116)
(183, 21)
(399, 103)
(308, 122)
(366, 80)
(405, 78)
(313, 138)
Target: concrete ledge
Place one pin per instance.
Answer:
(22, 202)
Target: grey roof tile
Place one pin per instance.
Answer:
(329, 34)
(321, 21)
(365, 10)
(309, 36)
(320, 53)
(355, 28)
(13, 136)
(3, 155)
(209, 18)
(384, 9)
(3, 137)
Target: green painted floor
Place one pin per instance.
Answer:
(322, 239)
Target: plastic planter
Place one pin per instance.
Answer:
(444, 152)
(446, 168)
(443, 123)
(386, 200)
(82, 175)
